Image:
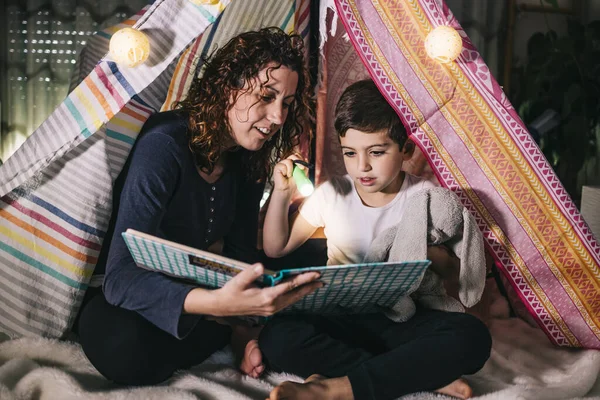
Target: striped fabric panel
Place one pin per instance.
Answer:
(122, 130)
(99, 122)
(97, 47)
(478, 146)
(240, 16)
(57, 188)
(91, 104)
(302, 21)
(57, 239)
(46, 257)
(154, 96)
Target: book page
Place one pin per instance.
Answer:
(353, 288)
(175, 259)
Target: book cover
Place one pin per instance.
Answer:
(351, 288)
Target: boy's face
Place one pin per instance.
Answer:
(374, 161)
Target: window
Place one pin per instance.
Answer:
(41, 43)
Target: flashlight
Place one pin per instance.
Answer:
(304, 185)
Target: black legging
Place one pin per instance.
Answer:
(382, 359)
(128, 349)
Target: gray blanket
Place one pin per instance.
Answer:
(434, 217)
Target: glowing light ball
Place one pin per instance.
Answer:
(443, 44)
(129, 47)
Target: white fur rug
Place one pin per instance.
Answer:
(523, 365)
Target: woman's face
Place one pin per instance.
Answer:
(257, 115)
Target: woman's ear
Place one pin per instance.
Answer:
(408, 149)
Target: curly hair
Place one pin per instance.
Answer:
(225, 74)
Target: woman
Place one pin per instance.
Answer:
(196, 176)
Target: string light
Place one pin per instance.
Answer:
(129, 47)
(443, 44)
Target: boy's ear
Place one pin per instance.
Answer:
(409, 148)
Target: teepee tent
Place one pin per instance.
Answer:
(56, 190)
(478, 147)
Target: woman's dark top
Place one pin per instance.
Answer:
(160, 192)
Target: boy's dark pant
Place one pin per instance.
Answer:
(382, 359)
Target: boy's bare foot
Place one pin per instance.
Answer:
(314, 387)
(459, 388)
(244, 344)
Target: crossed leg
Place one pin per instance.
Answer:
(366, 356)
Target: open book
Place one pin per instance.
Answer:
(349, 289)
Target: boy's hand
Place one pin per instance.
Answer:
(282, 176)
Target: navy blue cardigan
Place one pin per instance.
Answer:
(161, 193)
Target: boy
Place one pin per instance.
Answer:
(364, 356)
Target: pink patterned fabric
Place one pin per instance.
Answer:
(340, 67)
(478, 147)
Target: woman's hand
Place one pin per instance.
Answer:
(241, 296)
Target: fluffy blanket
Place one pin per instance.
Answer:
(434, 216)
(523, 365)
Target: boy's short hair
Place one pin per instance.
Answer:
(363, 107)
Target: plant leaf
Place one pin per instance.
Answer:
(553, 3)
(593, 34)
(572, 101)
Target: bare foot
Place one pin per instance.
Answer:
(314, 387)
(245, 348)
(252, 363)
(459, 388)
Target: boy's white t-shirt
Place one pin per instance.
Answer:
(348, 224)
